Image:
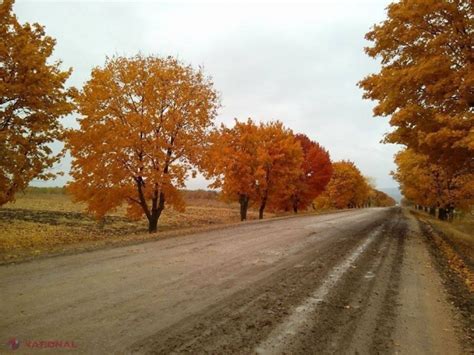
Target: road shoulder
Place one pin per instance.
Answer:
(426, 323)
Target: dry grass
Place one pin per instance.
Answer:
(456, 241)
(48, 222)
(460, 232)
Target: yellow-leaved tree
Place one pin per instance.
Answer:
(432, 185)
(347, 188)
(144, 121)
(33, 98)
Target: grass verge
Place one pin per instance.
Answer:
(455, 240)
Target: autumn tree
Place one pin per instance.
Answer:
(347, 188)
(426, 83)
(33, 98)
(432, 185)
(377, 198)
(231, 162)
(414, 176)
(280, 158)
(144, 121)
(316, 171)
(380, 199)
(252, 163)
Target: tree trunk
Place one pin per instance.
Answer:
(262, 208)
(433, 211)
(157, 206)
(295, 201)
(450, 211)
(442, 214)
(244, 204)
(153, 224)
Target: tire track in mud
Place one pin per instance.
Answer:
(243, 320)
(292, 326)
(359, 315)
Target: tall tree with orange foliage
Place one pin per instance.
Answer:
(33, 98)
(316, 171)
(426, 83)
(231, 162)
(252, 163)
(346, 189)
(144, 123)
(280, 158)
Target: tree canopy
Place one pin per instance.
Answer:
(426, 86)
(431, 185)
(33, 98)
(253, 163)
(347, 188)
(426, 83)
(315, 173)
(144, 121)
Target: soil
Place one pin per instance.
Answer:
(360, 281)
(458, 294)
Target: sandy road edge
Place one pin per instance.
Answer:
(458, 293)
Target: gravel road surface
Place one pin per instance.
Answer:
(359, 281)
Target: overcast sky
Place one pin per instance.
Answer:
(297, 62)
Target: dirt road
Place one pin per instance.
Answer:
(351, 282)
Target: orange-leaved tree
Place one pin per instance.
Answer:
(144, 121)
(346, 189)
(375, 197)
(432, 185)
(280, 158)
(252, 163)
(316, 171)
(426, 83)
(231, 162)
(417, 183)
(33, 98)
(380, 199)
